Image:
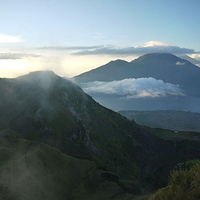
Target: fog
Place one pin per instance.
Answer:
(133, 88)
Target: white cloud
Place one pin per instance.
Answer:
(133, 88)
(149, 47)
(180, 63)
(9, 39)
(68, 48)
(155, 44)
(195, 56)
(12, 56)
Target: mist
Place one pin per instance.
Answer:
(134, 88)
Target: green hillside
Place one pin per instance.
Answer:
(44, 107)
(50, 118)
(32, 170)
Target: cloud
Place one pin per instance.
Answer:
(179, 63)
(149, 47)
(133, 88)
(195, 56)
(156, 44)
(67, 48)
(9, 39)
(12, 56)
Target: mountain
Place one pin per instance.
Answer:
(164, 66)
(114, 70)
(192, 60)
(45, 120)
(156, 81)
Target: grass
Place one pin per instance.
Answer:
(38, 171)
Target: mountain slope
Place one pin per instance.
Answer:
(114, 70)
(192, 60)
(32, 170)
(45, 108)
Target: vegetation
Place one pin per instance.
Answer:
(184, 183)
(32, 170)
(58, 143)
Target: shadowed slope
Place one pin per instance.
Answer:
(32, 170)
(44, 107)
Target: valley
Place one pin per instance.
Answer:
(165, 119)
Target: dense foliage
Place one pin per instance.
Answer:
(183, 183)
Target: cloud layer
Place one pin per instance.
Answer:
(149, 47)
(9, 39)
(13, 56)
(68, 48)
(133, 88)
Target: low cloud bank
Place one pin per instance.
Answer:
(149, 47)
(133, 88)
(13, 56)
(66, 48)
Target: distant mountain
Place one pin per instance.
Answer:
(161, 66)
(114, 70)
(42, 115)
(156, 81)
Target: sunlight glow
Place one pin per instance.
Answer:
(12, 68)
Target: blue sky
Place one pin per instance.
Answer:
(73, 36)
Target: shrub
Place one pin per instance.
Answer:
(183, 184)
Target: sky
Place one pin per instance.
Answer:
(74, 36)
